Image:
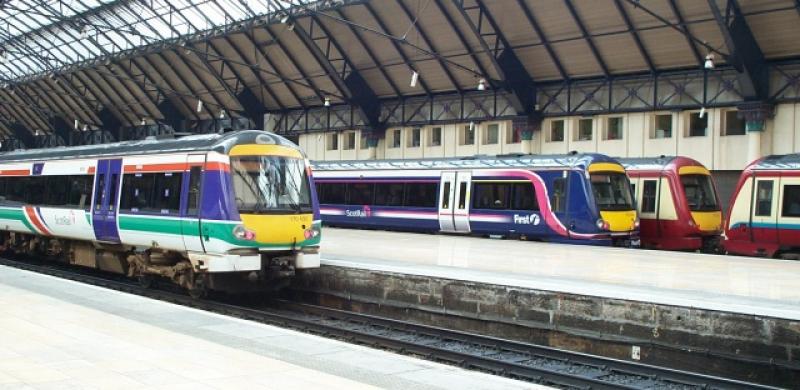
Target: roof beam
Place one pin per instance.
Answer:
(514, 78)
(371, 55)
(399, 49)
(348, 79)
(685, 30)
(745, 54)
(542, 37)
(317, 91)
(587, 37)
(428, 43)
(265, 56)
(635, 34)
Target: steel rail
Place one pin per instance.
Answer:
(522, 361)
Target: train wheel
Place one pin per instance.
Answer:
(198, 289)
(147, 281)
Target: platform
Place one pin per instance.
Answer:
(58, 334)
(752, 286)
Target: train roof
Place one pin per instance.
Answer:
(777, 162)
(655, 163)
(218, 142)
(576, 160)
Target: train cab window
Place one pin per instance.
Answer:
(791, 201)
(493, 196)
(764, 198)
(558, 198)
(524, 197)
(421, 194)
(389, 194)
(699, 192)
(649, 188)
(167, 192)
(360, 194)
(332, 193)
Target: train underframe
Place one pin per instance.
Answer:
(151, 265)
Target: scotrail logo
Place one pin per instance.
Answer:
(363, 213)
(532, 219)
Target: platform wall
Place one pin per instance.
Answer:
(715, 149)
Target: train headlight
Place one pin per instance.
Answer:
(311, 233)
(636, 223)
(602, 225)
(243, 233)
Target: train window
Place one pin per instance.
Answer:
(360, 193)
(79, 191)
(649, 188)
(421, 194)
(58, 191)
(137, 189)
(15, 190)
(112, 201)
(462, 196)
(764, 198)
(791, 201)
(559, 194)
(194, 191)
(99, 191)
(446, 196)
(333, 193)
(167, 192)
(34, 189)
(389, 194)
(490, 195)
(524, 197)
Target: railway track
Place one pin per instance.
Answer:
(527, 362)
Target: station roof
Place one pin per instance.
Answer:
(125, 63)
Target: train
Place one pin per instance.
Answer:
(764, 215)
(575, 198)
(677, 202)
(232, 212)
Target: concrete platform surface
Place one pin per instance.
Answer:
(753, 286)
(58, 334)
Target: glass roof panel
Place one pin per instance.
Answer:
(42, 36)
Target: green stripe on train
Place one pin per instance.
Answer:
(219, 230)
(16, 214)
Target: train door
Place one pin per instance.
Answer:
(454, 196)
(764, 211)
(463, 192)
(106, 195)
(447, 193)
(190, 210)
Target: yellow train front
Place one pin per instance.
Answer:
(231, 212)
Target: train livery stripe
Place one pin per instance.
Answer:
(175, 167)
(16, 214)
(36, 221)
(15, 172)
(216, 230)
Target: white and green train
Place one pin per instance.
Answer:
(231, 212)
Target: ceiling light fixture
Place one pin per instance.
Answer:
(481, 84)
(327, 102)
(199, 105)
(414, 78)
(709, 64)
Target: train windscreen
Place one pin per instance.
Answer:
(270, 184)
(699, 192)
(612, 191)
